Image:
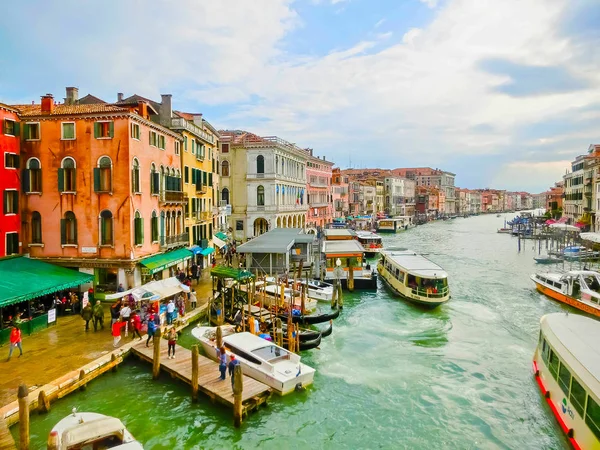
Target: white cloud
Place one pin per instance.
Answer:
(530, 175)
(379, 23)
(429, 3)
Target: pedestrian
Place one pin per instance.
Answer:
(151, 329)
(120, 288)
(172, 339)
(222, 361)
(136, 325)
(116, 331)
(195, 272)
(115, 310)
(15, 341)
(125, 314)
(57, 305)
(232, 363)
(170, 312)
(75, 303)
(86, 314)
(98, 313)
(193, 299)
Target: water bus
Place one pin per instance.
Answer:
(566, 366)
(371, 242)
(577, 288)
(394, 225)
(350, 254)
(414, 277)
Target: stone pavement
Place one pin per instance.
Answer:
(49, 354)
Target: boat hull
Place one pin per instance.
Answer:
(361, 283)
(571, 301)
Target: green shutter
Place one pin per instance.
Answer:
(97, 130)
(96, 179)
(26, 127)
(17, 161)
(63, 231)
(17, 128)
(141, 230)
(111, 129)
(210, 179)
(156, 176)
(25, 184)
(75, 230)
(61, 180)
(133, 180)
(205, 178)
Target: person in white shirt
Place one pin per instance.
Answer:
(170, 311)
(125, 313)
(193, 299)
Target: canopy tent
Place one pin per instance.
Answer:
(592, 237)
(195, 249)
(230, 272)
(155, 290)
(219, 242)
(24, 279)
(207, 251)
(221, 235)
(163, 261)
(563, 227)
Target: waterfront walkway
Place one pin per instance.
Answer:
(51, 353)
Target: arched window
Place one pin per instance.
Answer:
(225, 168)
(103, 175)
(32, 176)
(260, 196)
(154, 227)
(66, 175)
(135, 177)
(68, 229)
(138, 227)
(154, 180)
(225, 196)
(36, 228)
(106, 228)
(260, 164)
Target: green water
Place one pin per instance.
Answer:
(390, 376)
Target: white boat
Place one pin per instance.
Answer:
(273, 295)
(371, 242)
(566, 366)
(577, 288)
(319, 290)
(87, 431)
(260, 359)
(414, 277)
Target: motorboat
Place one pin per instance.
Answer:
(505, 230)
(566, 367)
(547, 259)
(371, 242)
(262, 360)
(87, 430)
(414, 277)
(577, 288)
(318, 290)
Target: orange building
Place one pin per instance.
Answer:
(101, 188)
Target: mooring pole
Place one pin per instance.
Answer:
(195, 373)
(156, 357)
(238, 388)
(23, 396)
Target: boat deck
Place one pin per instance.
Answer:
(254, 393)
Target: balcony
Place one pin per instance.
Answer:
(177, 240)
(206, 215)
(319, 205)
(182, 124)
(171, 197)
(262, 176)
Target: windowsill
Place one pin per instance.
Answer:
(9, 135)
(106, 246)
(104, 192)
(33, 139)
(135, 139)
(69, 245)
(68, 139)
(10, 214)
(107, 137)
(14, 168)
(36, 245)
(155, 242)
(139, 245)
(68, 192)
(137, 193)
(33, 193)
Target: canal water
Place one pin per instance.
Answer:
(391, 375)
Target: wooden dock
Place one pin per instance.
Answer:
(6, 440)
(254, 393)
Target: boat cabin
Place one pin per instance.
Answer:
(392, 225)
(584, 284)
(339, 234)
(350, 254)
(369, 240)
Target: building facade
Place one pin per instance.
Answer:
(339, 193)
(574, 187)
(10, 218)
(428, 177)
(319, 191)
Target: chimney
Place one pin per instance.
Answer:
(143, 109)
(72, 96)
(47, 104)
(197, 119)
(166, 110)
(120, 97)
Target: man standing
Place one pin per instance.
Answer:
(195, 272)
(120, 288)
(232, 363)
(193, 299)
(15, 341)
(98, 313)
(170, 311)
(125, 315)
(115, 312)
(86, 314)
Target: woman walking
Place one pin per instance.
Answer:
(15, 341)
(172, 338)
(136, 325)
(151, 329)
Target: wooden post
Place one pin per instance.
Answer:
(219, 337)
(156, 356)
(23, 396)
(81, 377)
(282, 295)
(334, 294)
(43, 403)
(290, 332)
(195, 372)
(303, 290)
(340, 296)
(350, 276)
(278, 332)
(251, 325)
(113, 358)
(297, 338)
(238, 388)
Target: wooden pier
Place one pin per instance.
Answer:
(6, 440)
(254, 392)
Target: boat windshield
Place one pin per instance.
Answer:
(592, 282)
(271, 352)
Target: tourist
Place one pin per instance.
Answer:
(151, 330)
(120, 288)
(136, 325)
(193, 299)
(172, 339)
(116, 331)
(15, 341)
(98, 313)
(195, 272)
(75, 304)
(115, 309)
(86, 314)
(125, 314)
(170, 312)
(213, 262)
(57, 305)
(232, 363)
(222, 355)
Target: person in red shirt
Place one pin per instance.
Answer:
(136, 325)
(116, 331)
(15, 341)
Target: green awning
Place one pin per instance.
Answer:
(163, 261)
(221, 236)
(207, 251)
(230, 272)
(23, 279)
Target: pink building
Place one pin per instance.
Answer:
(339, 193)
(319, 189)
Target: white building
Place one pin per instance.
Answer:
(573, 203)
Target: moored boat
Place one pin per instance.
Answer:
(318, 290)
(505, 230)
(566, 366)
(577, 288)
(414, 277)
(547, 259)
(83, 430)
(371, 242)
(260, 359)
(311, 319)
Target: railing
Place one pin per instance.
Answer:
(318, 205)
(429, 292)
(174, 240)
(192, 127)
(171, 197)
(201, 188)
(269, 141)
(206, 215)
(317, 184)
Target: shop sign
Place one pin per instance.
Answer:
(52, 315)
(89, 249)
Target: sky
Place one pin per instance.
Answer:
(503, 93)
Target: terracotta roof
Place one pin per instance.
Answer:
(61, 110)
(9, 108)
(134, 99)
(185, 115)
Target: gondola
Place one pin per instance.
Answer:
(307, 345)
(312, 318)
(307, 334)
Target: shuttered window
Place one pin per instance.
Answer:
(138, 226)
(104, 130)
(12, 244)
(11, 202)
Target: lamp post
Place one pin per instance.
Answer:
(337, 288)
